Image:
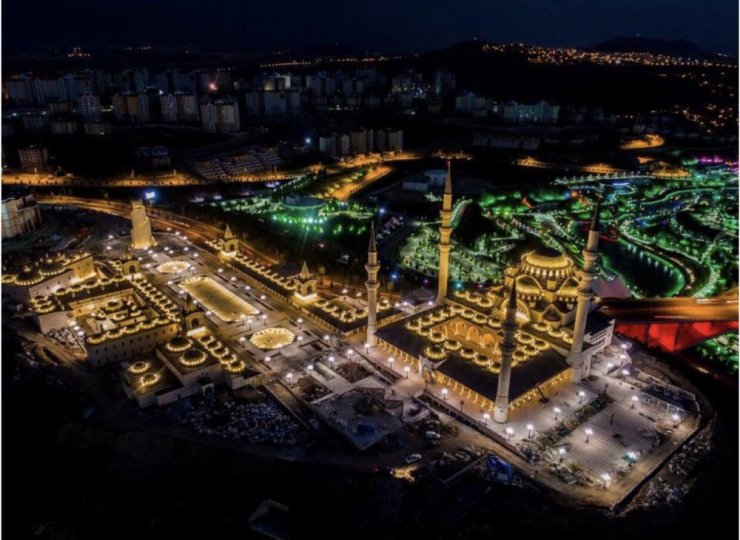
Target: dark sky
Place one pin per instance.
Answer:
(387, 25)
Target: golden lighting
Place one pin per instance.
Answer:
(272, 338)
(215, 297)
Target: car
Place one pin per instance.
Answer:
(432, 436)
(412, 458)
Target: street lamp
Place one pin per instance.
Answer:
(406, 371)
(509, 433)
(242, 339)
(247, 287)
(486, 416)
(350, 352)
(581, 395)
(300, 323)
(530, 430)
(331, 361)
(556, 410)
(289, 377)
(326, 338)
(264, 319)
(390, 361)
(634, 400)
(561, 451)
(367, 348)
(589, 432)
(626, 372)
(444, 394)
(675, 418)
(310, 367)
(267, 359)
(262, 297)
(606, 478)
(609, 367)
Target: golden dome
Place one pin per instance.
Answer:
(547, 259)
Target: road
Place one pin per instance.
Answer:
(161, 218)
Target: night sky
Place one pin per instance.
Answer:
(375, 25)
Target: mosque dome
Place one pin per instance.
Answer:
(546, 263)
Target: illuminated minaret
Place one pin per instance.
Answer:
(585, 295)
(508, 345)
(372, 286)
(445, 231)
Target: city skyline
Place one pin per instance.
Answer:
(414, 26)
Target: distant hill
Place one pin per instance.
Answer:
(675, 47)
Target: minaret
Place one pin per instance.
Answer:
(445, 231)
(372, 286)
(585, 295)
(508, 346)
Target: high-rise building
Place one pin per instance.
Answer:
(358, 142)
(33, 157)
(220, 116)
(395, 140)
(89, 107)
(533, 113)
(131, 107)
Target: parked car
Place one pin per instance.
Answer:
(412, 458)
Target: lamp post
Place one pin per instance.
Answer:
(609, 367)
(264, 320)
(581, 395)
(331, 361)
(561, 451)
(509, 433)
(675, 418)
(634, 400)
(267, 359)
(589, 432)
(625, 373)
(486, 416)
(390, 361)
(530, 430)
(406, 371)
(309, 367)
(350, 352)
(444, 394)
(289, 377)
(327, 338)
(300, 323)
(556, 410)
(367, 348)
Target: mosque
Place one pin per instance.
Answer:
(508, 345)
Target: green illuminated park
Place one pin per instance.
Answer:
(662, 236)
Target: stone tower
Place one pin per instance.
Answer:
(141, 227)
(585, 295)
(445, 231)
(508, 345)
(372, 286)
(230, 242)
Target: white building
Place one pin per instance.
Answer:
(19, 216)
